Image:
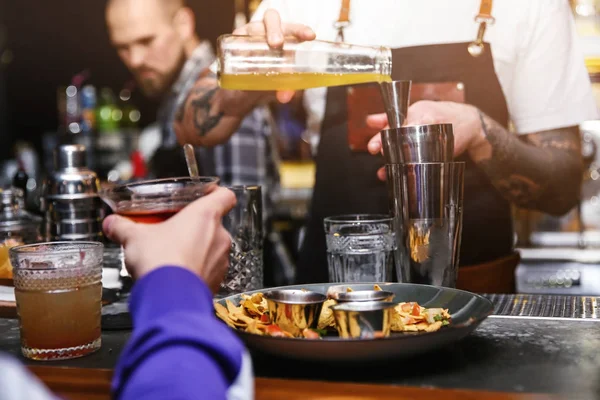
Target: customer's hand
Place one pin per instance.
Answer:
(466, 125)
(275, 31)
(194, 239)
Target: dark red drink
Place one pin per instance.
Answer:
(151, 202)
(149, 216)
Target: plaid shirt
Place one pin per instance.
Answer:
(249, 157)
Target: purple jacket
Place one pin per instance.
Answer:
(178, 349)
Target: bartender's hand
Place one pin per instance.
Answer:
(275, 31)
(468, 133)
(194, 239)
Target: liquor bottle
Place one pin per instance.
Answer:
(88, 109)
(108, 115)
(248, 63)
(131, 114)
(20, 179)
(72, 110)
(88, 123)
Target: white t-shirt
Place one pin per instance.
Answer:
(537, 55)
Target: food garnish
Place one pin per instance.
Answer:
(6, 271)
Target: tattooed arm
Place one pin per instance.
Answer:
(542, 170)
(210, 115)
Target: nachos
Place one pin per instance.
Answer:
(252, 316)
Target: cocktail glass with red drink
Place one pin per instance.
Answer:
(156, 200)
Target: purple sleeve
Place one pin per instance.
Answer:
(178, 349)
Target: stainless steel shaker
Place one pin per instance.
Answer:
(425, 189)
(70, 202)
(428, 208)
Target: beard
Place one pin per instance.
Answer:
(159, 85)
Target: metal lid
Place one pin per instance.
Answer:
(70, 156)
(362, 295)
(72, 179)
(13, 218)
(364, 306)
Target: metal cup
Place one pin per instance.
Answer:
(295, 310)
(396, 97)
(426, 201)
(364, 320)
(418, 144)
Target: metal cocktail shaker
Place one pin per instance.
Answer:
(72, 208)
(428, 211)
(425, 189)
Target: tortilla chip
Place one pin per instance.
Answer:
(434, 327)
(327, 319)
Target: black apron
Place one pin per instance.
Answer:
(346, 181)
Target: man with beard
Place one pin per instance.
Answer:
(156, 40)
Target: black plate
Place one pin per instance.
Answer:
(468, 310)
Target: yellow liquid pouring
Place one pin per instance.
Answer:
(295, 80)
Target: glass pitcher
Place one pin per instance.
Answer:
(248, 63)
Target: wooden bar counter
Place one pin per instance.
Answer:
(505, 358)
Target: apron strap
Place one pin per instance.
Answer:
(483, 18)
(343, 20)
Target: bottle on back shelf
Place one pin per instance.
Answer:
(108, 115)
(131, 114)
(88, 122)
(88, 109)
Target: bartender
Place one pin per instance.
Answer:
(514, 62)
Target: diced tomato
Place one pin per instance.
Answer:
(274, 330)
(416, 311)
(264, 318)
(310, 334)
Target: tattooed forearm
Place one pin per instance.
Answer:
(204, 120)
(201, 104)
(542, 170)
(210, 115)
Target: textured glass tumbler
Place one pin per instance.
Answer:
(245, 224)
(58, 287)
(360, 247)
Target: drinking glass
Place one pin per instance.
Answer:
(58, 288)
(248, 63)
(156, 200)
(245, 224)
(360, 247)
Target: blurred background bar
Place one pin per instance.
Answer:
(61, 81)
